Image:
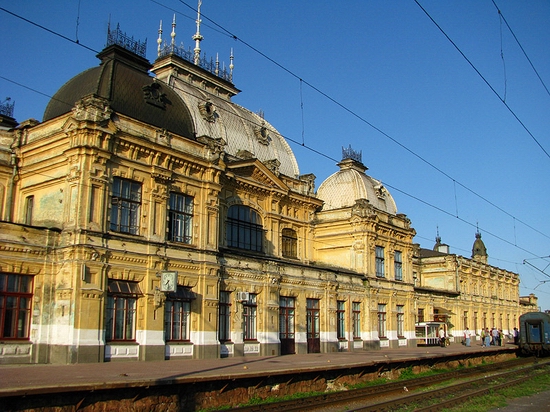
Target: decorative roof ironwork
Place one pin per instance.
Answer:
(210, 65)
(6, 108)
(117, 37)
(194, 56)
(349, 153)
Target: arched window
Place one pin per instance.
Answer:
(290, 241)
(244, 229)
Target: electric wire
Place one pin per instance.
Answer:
(484, 80)
(521, 47)
(354, 114)
(502, 56)
(301, 143)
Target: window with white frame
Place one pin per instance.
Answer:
(380, 262)
(180, 218)
(125, 206)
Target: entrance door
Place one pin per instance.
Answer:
(313, 327)
(286, 325)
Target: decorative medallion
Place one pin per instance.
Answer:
(380, 191)
(262, 134)
(208, 111)
(153, 95)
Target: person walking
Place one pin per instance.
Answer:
(467, 337)
(487, 337)
(516, 336)
(441, 337)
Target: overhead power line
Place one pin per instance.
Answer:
(521, 47)
(485, 80)
(338, 104)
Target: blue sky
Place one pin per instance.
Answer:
(453, 119)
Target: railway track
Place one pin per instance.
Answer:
(431, 393)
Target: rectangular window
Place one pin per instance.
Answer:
(180, 218)
(400, 321)
(398, 265)
(250, 309)
(465, 319)
(125, 206)
(356, 307)
(289, 243)
(15, 306)
(341, 319)
(313, 320)
(120, 316)
(380, 262)
(176, 320)
(381, 320)
(286, 317)
(29, 205)
(121, 313)
(475, 322)
(225, 317)
(420, 315)
(177, 310)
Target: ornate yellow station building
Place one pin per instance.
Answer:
(149, 217)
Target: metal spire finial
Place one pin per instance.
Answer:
(197, 37)
(173, 34)
(159, 40)
(231, 66)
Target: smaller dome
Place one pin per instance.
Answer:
(479, 250)
(349, 184)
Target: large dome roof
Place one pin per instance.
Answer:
(343, 188)
(122, 78)
(245, 133)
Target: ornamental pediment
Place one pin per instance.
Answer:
(258, 172)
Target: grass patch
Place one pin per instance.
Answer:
(498, 399)
(270, 399)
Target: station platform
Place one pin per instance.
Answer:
(21, 380)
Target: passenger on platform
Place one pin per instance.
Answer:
(494, 334)
(500, 337)
(487, 341)
(467, 337)
(516, 336)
